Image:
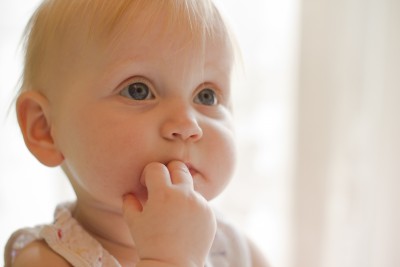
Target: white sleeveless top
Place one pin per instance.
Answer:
(68, 238)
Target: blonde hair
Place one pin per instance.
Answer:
(58, 24)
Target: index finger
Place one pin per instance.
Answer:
(155, 177)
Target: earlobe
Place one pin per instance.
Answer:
(33, 113)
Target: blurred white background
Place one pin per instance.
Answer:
(318, 123)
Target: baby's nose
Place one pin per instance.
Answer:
(181, 124)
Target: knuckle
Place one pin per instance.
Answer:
(152, 171)
(154, 166)
(179, 171)
(177, 166)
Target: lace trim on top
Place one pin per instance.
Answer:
(70, 240)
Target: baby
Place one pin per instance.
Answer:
(132, 99)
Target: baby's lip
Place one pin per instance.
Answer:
(191, 169)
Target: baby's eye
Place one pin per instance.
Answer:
(137, 91)
(206, 97)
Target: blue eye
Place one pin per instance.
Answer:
(206, 97)
(137, 91)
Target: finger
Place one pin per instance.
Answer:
(180, 173)
(131, 207)
(155, 177)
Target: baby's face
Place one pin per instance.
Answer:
(148, 99)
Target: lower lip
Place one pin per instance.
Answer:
(192, 171)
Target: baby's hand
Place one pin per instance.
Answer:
(175, 226)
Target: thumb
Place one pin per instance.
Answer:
(131, 207)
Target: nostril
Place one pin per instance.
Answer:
(181, 126)
(189, 135)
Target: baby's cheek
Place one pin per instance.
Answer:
(220, 165)
(102, 174)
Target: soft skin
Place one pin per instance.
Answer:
(142, 127)
(88, 121)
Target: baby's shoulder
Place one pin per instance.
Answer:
(38, 254)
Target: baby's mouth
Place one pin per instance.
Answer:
(191, 169)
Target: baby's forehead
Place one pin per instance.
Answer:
(106, 21)
(64, 30)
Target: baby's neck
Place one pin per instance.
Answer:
(110, 230)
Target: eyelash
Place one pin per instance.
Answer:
(139, 81)
(138, 84)
(214, 98)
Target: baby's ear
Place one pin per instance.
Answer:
(33, 113)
